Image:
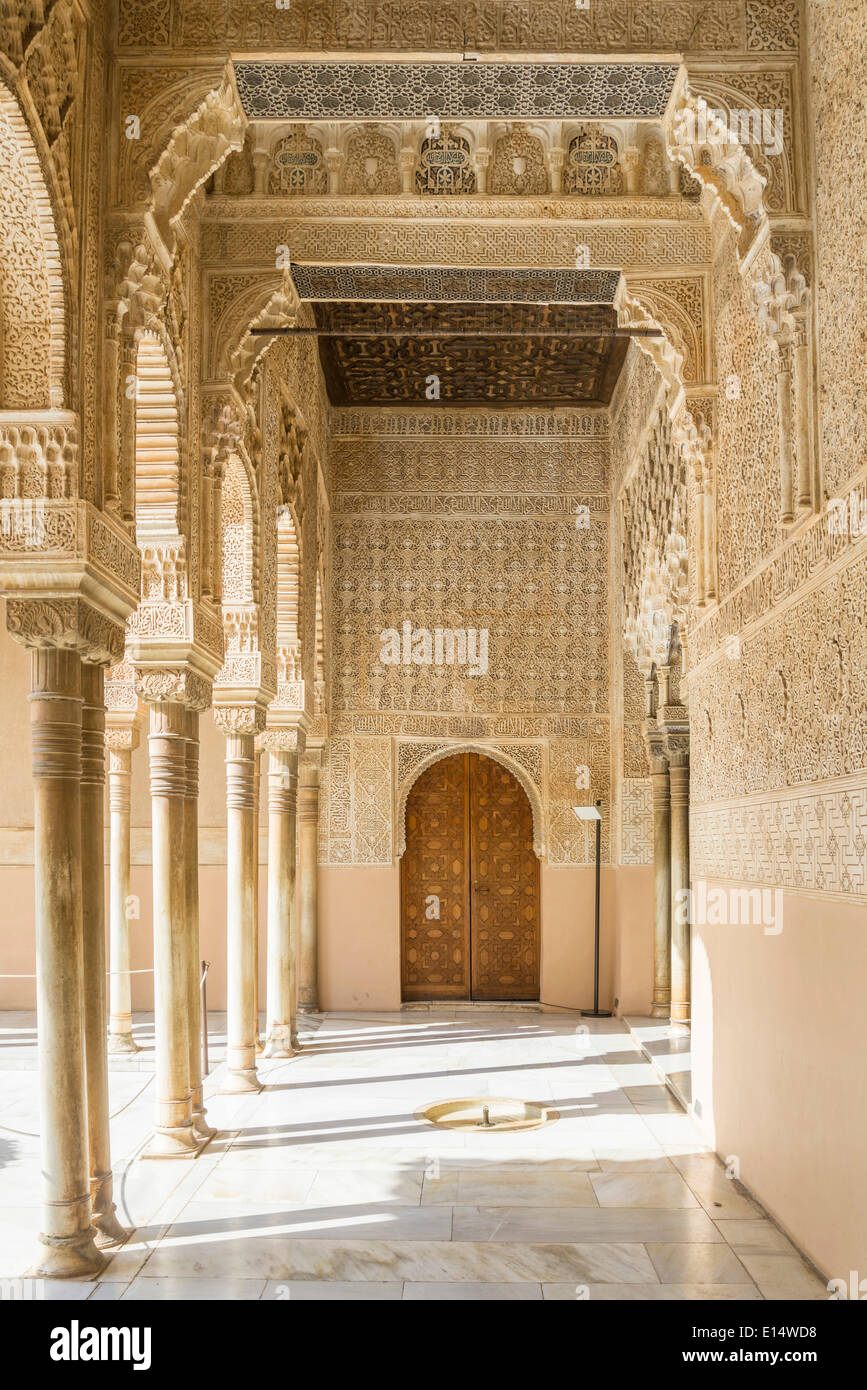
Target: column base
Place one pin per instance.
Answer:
(308, 1008)
(240, 1083)
(182, 1142)
(280, 1042)
(109, 1232)
(122, 1044)
(201, 1128)
(660, 1009)
(67, 1257)
(680, 1013)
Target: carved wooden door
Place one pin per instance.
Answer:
(469, 885)
(504, 879)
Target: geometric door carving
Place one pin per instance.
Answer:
(469, 885)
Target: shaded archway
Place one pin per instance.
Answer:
(470, 913)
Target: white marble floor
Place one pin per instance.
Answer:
(326, 1185)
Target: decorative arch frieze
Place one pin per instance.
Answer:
(194, 152)
(33, 328)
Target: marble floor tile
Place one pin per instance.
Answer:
(214, 1221)
(177, 1290)
(784, 1276)
(475, 1293)
(755, 1237)
(315, 1291)
(278, 1185)
(659, 1293)
(642, 1190)
(583, 1224)
(697, 1264)
(335, 1187)
(498, 1186)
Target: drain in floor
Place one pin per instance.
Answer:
(486, 1114)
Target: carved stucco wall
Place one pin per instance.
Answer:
(840, 138)
(732, 26)
(466, 520)
(778, 678)
(748, 474)
(632, 411)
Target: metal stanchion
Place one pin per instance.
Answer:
(204, 990)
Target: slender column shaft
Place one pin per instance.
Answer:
(680, 928)
(174, 1136)
(194, 964)
(257, 791)
(308, 889)
(66, 1242)
(802, 415)
(109, 429)
(709, 536)
(241, 1041)
(281, 903)
(120, 1038)
(700, 544)
(108, 1228)
(126, 481)
(659, 781)
(784, 399)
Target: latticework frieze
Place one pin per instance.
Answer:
(810, 839)
(786, 702)
(493, 470)
(335, 90)
(449, 422)
(470, 242)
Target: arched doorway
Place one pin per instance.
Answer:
(469, 885)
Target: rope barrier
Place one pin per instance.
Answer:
(108, 972)
(34, 1134)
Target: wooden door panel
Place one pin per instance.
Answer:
(469, 851)
(504, 878)
(435, 879)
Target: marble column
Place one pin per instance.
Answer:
(121, 743)
(407, 170)
(257, 794)
(282, 782)
(109, 1231)
(241, 1073)
(677, 748)
(67, 1248)
(802, 413)
(174, 1135)
(261, 166)
(194, 962)
(660, 792)
(308, 887)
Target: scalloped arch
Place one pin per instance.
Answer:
(33, 324)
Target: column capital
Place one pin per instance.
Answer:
(654, 742)
(178, 685)
(61, 552)
(70, 624)
(239, 719)
(282, 740)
